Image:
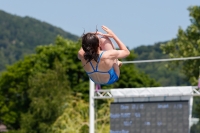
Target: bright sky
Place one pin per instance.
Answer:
(141, 22)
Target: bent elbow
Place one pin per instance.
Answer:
(79, 55)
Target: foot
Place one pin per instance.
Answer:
(98, 87)
(119, 63)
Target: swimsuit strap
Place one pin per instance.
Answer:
(92, 66)
(99, 60)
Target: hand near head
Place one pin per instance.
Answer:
(109, 32)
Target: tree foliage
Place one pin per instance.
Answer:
(75, 117)
(20, 35)
(49, 93)
(163, 74)
(40, 90)
(15, 83)
(195, 128)
(187, 44)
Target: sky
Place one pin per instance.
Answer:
(135, 22)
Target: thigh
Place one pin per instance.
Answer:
(116, 68)
(106, 44)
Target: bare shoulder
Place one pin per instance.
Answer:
(117, 54)
(110, 54)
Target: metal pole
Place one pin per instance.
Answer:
(92, 125)
(160, 60)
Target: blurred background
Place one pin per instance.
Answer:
(43, 87)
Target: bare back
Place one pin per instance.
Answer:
(98, 71)
(106, 70)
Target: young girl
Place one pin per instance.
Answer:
(99, 58)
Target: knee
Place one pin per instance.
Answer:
(105, 40)
(106, 44)
(116, 68)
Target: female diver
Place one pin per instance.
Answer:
(99, 57)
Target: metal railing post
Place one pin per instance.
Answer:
(92, 108)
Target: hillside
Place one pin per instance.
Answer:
(20, 35)
(158, 70)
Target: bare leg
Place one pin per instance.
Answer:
(106, 44)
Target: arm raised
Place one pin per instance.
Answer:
(123, 52)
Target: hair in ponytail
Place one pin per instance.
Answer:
(90, 44)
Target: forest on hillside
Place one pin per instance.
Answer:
(46, 91)
(50, 88)
(161, 71)
(19, 36)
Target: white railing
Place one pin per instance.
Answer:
(106, 94)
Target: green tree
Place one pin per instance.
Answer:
(163, 75)
(195, 128)
(15, 85)
(13, 92)
(187, 44)
(49, 94)
(75, 118)
(27, 87)
(20, 35)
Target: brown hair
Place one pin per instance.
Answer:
(90, 44)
